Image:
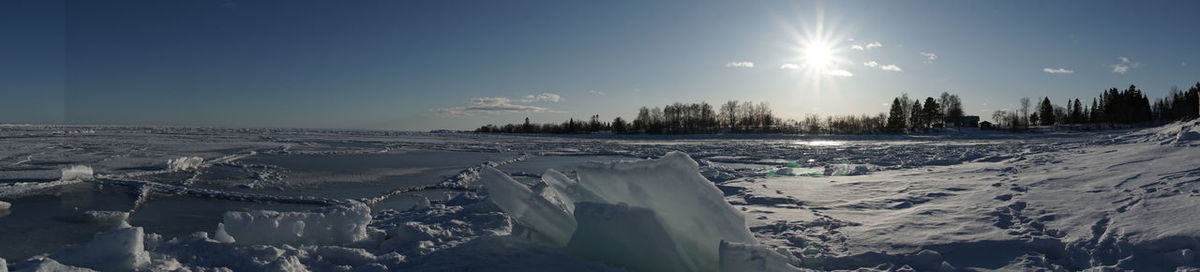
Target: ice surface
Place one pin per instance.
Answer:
(5, 205)
(119, 249)
(1116, 200)
(3, 265)
(335, 225)
(663, 206)
(185, 163)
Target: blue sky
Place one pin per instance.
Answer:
(417, 65)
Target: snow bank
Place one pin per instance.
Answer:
(336, 225)
(119, 249)
(650, 215)
(744, 257)
(185, 163)
(1177, 133)
(3, 265)
(5, 206)
(77, 173)
(48, 265)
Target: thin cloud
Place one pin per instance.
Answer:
(739, 64)
(488, 105)
(544, 97)
(1125, 65)
(595, 92)
(860, 47)
(889, 67)
(789, 66)
(839, 73)
(929, 57)
(1058, 71)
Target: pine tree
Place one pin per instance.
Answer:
(917, 115)
(895, 120)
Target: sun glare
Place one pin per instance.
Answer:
(817, 53)
(818, 56)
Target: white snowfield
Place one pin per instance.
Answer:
(975, 201)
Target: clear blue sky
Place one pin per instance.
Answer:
(417, 65)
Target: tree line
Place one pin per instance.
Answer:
(748, 117)
(1112, 108)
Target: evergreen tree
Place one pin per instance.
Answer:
(1046, 112)
(895, 120)
(917, 116)
(932, 113)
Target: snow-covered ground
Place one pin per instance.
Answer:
(202, 199)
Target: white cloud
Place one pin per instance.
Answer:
(739, 64)
(488, 105)
(889, 67)
(865, 47)
(1125, 65)
(929, 57)
(544, 97)
(1058, 71)
(595, 92)
(839, 73)
(789, 66)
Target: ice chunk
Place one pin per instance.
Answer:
(679, 217)
(336, 225)
(287, 264)
(3, 265)
(530, 209)
(846, 170)
(119, 249)
(222, 236)
(5, 205)
(629, 237)
(742, 257)
(185, 163)
(106, 217)
(692, 210)
(77, 173)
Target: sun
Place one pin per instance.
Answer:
(817, 52)
(818, 56)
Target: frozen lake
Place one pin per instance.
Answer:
(827, 198)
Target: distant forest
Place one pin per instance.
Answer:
(1113, 108)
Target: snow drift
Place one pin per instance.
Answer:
(649, 215)
(331, 226)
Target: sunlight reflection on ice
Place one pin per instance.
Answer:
(819, 143)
